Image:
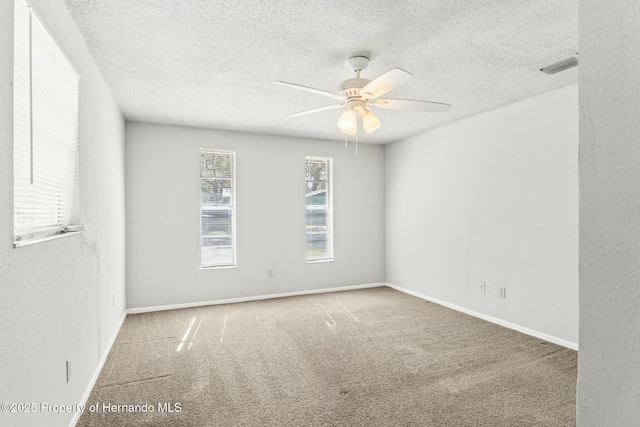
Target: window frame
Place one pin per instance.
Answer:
(232, 207)
(27, 228)
(328, 207)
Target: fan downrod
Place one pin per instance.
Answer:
(350, 88)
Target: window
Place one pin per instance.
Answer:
(217, 208)
(319, 209)
(45, 159)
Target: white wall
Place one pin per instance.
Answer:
(609, 359)
(57, 296)
(163, 229)
(492, 198)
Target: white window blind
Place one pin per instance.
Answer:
(45, 160)
(217, 208)
(319, 209)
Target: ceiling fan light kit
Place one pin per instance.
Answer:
(348, 120)
(370, 122)
(357, 94)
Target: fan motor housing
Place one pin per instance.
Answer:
(351, 87)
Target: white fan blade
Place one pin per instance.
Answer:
(410, 104)
(312, 90)
(316, 110)
(385, 83)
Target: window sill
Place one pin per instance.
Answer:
(218, 267)
(319, 261)
(30, 242)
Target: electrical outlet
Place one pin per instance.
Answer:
(270, 272)
(502, 293)
(483, 287)
(68, 369)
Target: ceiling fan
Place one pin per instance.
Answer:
(358, 94)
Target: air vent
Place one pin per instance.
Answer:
(565, 64)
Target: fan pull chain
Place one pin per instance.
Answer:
(346, 141)
(357, 117)
(356, 143)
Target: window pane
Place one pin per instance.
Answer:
(215, 192)
(216, 222)
(317, 198)
(217, 255)
(316, 218)
(316, 170)
(216, 164)
(315, 187)
(317, 246)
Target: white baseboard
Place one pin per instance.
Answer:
(506, 324)
(252, 298)
(96, 374)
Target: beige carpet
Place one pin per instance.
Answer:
(373, 357)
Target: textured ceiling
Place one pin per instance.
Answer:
(211, 63)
